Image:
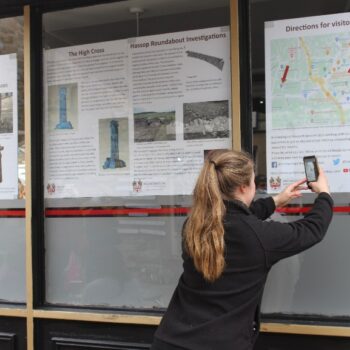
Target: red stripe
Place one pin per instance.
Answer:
(300, 210)
(141, 211)
(341, 209)
(158, 211)
(293, 210)
(13, 213)
(116, 212)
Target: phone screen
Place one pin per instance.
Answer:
(311, 170)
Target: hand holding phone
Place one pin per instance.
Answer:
(311, 168)
(315, 177)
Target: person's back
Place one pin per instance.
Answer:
(223, 312)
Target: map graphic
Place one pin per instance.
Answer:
(310, 81)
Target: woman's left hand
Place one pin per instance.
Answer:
(290, 192)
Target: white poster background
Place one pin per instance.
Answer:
(144, 84)
(8, 127)
(307, 66)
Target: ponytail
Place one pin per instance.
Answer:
(204, 240)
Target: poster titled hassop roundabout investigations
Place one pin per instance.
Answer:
(134, 117)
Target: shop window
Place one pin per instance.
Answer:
(133, 99)
(301, 107)
(12, 167)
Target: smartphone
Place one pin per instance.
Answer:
(311, 168)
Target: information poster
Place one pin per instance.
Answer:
(135, 116)
(308, 98)
(8, 127)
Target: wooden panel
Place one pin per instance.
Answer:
(334, 331)
(76, 344)
(291, 342)
(12, 312)
(28, 186)
(7, 341)
(12, 333)
(73, 335)
(98, 317)
(235, 77)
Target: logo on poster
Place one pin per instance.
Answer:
(137, 186)
(275, 183)
(51, 188)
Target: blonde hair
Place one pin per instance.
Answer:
(223, 171)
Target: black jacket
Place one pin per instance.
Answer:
(224, 315)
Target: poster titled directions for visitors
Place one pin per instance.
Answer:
(307, 64)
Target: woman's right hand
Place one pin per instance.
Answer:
(321, 185)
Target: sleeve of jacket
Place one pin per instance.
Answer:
(281, 240)
(263, 208)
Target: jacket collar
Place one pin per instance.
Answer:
(235, 205)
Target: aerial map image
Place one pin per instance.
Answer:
(310, 81)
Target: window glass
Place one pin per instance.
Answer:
(12, 166)
(134, 97)
(301, 107)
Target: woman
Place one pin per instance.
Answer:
(228, 250)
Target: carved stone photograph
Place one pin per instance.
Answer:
(218, 62)
(6, 113)
(206, 120)
(154, 126)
